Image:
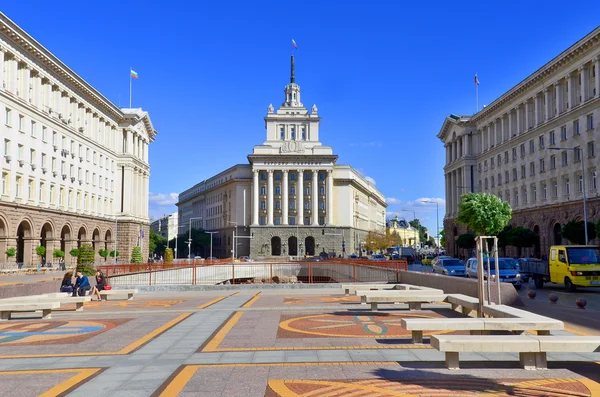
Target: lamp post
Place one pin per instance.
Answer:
(437, 220)
(190, 237)
(234, 247)
(116, 237)
(176, 236)
(211, 238)
(582, 158)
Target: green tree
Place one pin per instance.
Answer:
(85, 259)
(157, 243)
(466, 241)
(168, 255)
(58, 254)
(521, 237)
(103, 253)
(40, 251)
(114, 253)
(12, 251)
(483, 213)
(200, 241)
(136, 255)
(574, 231)
(416, 223)
(443, 238)
(74, 252)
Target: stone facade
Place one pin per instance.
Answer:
(534, 147)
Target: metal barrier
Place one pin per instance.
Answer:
(254, 272)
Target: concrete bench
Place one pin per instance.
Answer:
(6, 308)
(64, 300)
(113, 292)
(503, 311)
(350, 289)
(414, 301)
(466, 303)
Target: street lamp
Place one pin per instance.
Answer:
(234, 247)
(582, 158)
(437, 219)
(190, 237)
(211, 238)
(176, 236)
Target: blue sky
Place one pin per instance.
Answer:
(383, 74)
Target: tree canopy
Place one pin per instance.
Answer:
(200, 241)
(483, 213)
(466, 240)
(574, 231)
(157, 243)
(416, 223)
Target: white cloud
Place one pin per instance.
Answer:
(392, 200)
(370, 180)
(430, 201)
(367, 144)
(162, 199)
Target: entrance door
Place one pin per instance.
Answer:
(309, 242)
(275, 246)
(293, 246)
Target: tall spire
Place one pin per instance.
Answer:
(292, 76)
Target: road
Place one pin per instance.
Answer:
(591, 295)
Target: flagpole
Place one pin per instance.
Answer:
(476, 94)
(130, 84)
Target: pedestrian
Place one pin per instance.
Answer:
(82, 284)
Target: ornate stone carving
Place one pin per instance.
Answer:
(292, 147)
(314, 109)
(270, 109)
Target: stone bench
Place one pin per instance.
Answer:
(113, 292)
(350, 289)
(503, 311)
(532, 349)
(414, 301)
(64, 300)
(466, 303)
(7, 308)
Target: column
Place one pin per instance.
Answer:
(329, 197)
(285, 204)
(585, 84)
(315, 198)
(547, 100)
(537, 110)
(558, 106)
(519, 118)
(597, 68)
(448, 198)
(527, 115)
(270, 198)
(300, 195)
(571, 99)
(255, 198)
(2, 75)
(511, 130)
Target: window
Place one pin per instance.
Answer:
(44, 134)
(492, 181)
(590, 122)
(263, 205)
(499, 160)
(533, 193)
(506, 157)
(293, 133)
(575, 127)
(277, 220)
(542, 166)
(282, 133)
(544, 191)
(541, 142)
(523, 174)
(6, 147)
(321, 220)
(564, 158)
(563, 133)
(277, 176)
(277, 189)
(531, 146)
(21, 120)
(303, 133)
(567, 186)
(524, 194)
(499, 179)
(322, 190)
(552, 138)
(42, 193)
(594, 186)
(555, 189)
(293, 190)
(522, 150)
(262, 220)
(321, 205)
(506, 177)
(54, 137)
(31, 156)
(590, 149)
(33, 129)
(514, 154)
(514, 174)
(20, 152)
(5, 183)
(43, 160)
(263, 176)
(307, 177)
(553, 162)
(53, 164)
(322, 176)
(292, 205)
(292, 220)
(18, 187)
(307, 220)
(577, 154)
(580, 183)
(292, 176)
(7, 117)
(277, 205)
(516, 195)
(307, 205)
(532, 169)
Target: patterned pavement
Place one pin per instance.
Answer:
(244, 343)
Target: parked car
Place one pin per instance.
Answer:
(448, 266)
(246, 259)
(435, 260)
(353, 256)
(211, 258)
(378, 257)
(508, 267)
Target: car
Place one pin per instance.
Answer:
(211, 258)
(449, 266)
(438, 258)
(197, 257)
(245, 259)
(353, 256)
(378, 257)
(508, 268)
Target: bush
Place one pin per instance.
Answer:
(86, 256)
(136, 255)
(103, 253)
(40, 251)
(58, 254)
(113, 252)
(168, 255)
(11, 252)
(88, 270)
(74, 252)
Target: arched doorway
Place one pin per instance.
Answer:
(96, 239)
(309, 243)
(556, 234)
(108, 242)
(65, 237)
(536, 247)
(293, 246)
(275, 246)
(3, 238)
(81, 236)
(45, 236)
(24, 242)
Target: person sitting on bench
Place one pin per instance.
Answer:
(100, 284)
(67, 283)
(82, 284)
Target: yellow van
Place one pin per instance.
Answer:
(574, 265)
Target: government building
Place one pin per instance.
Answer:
(534, 147)
(291, 199)
(74, 166)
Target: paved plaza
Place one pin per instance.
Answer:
(276, 342)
